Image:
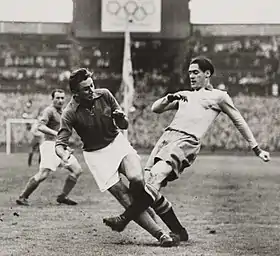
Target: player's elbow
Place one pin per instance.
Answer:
(156, 109)
(122, 124)
(40, 127)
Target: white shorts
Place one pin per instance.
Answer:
(49, 159)
(104, 163)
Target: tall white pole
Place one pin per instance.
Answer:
(127, 47)
(126, 76)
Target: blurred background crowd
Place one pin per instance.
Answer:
(34, 61)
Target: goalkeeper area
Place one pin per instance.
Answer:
(229, 204)
(18, 133)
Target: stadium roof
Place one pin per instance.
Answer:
(36, 10)
(202, 11)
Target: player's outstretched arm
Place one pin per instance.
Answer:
(233, 113)
(169, 102)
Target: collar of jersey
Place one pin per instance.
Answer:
(75, 103)
(208, 87)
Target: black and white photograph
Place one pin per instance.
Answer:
(139, 128)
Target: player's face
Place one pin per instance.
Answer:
(59, 99)
(86, 89)
(197, 76)
(28, 104)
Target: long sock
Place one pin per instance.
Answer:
(141, 202)
(70, 182)
(145, 221)
(122, 194)
(30, 156)
(31, 185)
(164, 210)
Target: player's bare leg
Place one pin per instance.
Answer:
(163, 208)
(30, 156)
(143, 198)
(161, 205)
(31, 185)
(121, 192)
(34, 145)
(70, 182)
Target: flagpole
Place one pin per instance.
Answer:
(127, 46)
(126, 59)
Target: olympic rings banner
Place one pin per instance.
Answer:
(132, 15)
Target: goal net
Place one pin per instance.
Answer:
(18, 134)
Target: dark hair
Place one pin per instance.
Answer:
(78, 76)
(56, 90)
(204, 64)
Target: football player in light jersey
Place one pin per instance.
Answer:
(179, 145)
(49, 123)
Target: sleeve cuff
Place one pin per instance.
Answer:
(256, 150)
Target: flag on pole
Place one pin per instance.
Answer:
(127, 75)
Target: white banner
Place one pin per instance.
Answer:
(132, 15)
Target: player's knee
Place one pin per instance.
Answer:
(76, 175)
(137, 178)
(131, 168)
(42, 175)
(152, 181)
(76, 170)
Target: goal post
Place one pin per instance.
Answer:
(9, 123)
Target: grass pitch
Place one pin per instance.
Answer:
(229, 204)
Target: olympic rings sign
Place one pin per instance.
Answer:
(132, 9)
(142, 15)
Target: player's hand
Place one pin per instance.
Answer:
(118, 114)
(176, 96)
(264, 155)
(71, 150)
(24, 115)
(67, 154)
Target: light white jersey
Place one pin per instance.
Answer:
(202, 108)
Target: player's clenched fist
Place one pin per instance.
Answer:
(262, 154)
(176, 96)
(66, 154)
(118, 114)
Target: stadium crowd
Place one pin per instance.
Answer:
(246, 66)
(261, 113)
